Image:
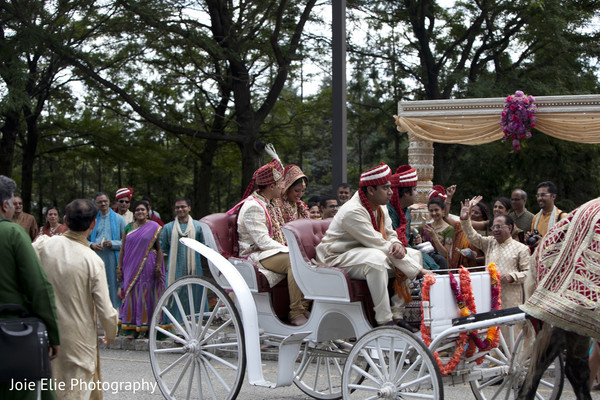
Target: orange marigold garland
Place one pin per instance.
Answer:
(466, 304)
(492, 335)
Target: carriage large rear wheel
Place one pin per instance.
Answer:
(204, 354)
(399, 366)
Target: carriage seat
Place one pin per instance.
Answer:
(319, 282)
(218, 230)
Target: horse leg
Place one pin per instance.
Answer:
(576, 364)
(548, 344)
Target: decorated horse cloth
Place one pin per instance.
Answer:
(566, 269)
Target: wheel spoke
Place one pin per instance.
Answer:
(366, 374)
(206, 364)
(182, 313)
(417, 395)
(202, 364)
(415, 382)
(174, 364)
(176, 323)
(172, 336)
(401, 362)
(214, 332)
(175, 350)
(329, 382)
(382, 364)
(192, 309)
(199, 379)
(182, 374)
(304, 365)
(367, 357)
(220, 360)
(190, 381)
(411, 368)
(364, 387)
(201, 314)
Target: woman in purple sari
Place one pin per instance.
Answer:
(142, 271)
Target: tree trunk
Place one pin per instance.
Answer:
(29, 150)
(203, 179)
(8, 141)
(251, 159)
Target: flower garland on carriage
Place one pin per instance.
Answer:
(465, 301)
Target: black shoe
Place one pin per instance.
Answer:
(403, 324)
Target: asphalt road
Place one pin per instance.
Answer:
(127, 375)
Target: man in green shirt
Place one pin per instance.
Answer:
(23, 281)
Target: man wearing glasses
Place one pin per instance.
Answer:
(182, 261)
(105, 240)
(329, 206)
(510, 256)
(123, 197)
(549, 214)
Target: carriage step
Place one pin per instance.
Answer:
(288, 353)
(485, 316)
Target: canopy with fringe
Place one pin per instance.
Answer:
(477, 121)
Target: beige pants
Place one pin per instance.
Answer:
(280, 263)
(377, 281)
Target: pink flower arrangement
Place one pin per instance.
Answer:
(518, 118)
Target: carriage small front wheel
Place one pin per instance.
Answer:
(203, 356)
(398, 362)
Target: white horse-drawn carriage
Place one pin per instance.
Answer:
(219, 326)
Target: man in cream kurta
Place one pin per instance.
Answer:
(79, 280)
(510, 256)
(260, 237)
(361, 240)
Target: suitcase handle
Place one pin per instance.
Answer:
(27, 331)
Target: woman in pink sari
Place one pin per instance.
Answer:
(141, 269)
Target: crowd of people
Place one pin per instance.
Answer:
(371, 235)
(99, 265)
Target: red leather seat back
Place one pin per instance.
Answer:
(223, 227)
(309, 233)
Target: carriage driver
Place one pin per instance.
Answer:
(361, 240)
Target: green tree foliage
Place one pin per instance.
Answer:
(176, 96)
(485, 48)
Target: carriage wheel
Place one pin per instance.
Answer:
(510, 354)
(319, 373)
(206, 357)
(398, 363)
